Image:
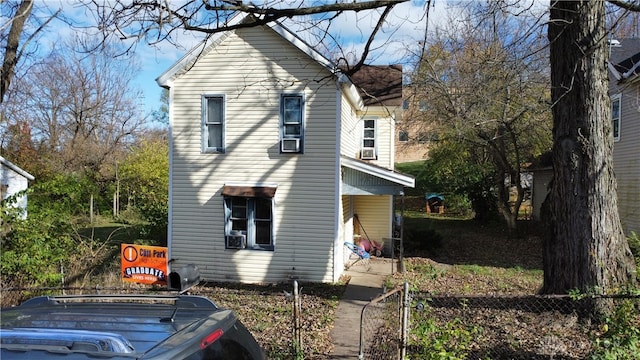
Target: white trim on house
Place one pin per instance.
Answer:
(302, 45)
(338, 249)
(16, 169)
(351, 92)
(614, 72)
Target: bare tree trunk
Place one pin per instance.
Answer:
(13, 41)
(585, 247)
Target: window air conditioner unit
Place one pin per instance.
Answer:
(368, 154)
(290, 145)
(236, 241)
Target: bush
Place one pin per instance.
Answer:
(432, 340)
(619, 336)
(34, 249)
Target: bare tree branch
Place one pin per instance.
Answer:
(13, 42)
(631, 6)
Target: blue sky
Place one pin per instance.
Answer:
(351, 29)
(405, 29)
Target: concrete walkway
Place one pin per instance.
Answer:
(367, 278)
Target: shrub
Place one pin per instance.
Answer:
(34, 248)
(619, 336)
(431, 340)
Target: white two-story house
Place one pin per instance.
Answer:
(273, 154)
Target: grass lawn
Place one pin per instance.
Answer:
(452, 256)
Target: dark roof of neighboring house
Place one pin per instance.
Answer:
(379, 85)
(626, 57)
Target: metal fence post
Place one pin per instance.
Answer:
(405, 320)
(296, 320)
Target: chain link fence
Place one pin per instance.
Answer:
(416, 325)
(286, 319)
(486, 327)
(382, 324)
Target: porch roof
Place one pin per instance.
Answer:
(362, 178)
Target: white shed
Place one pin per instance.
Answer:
(14, 180)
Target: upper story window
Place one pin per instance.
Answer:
(403, 136)
(291, 123)
(616, 102)
(368, 151)
(213, 123)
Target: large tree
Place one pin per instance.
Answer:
(585, 248)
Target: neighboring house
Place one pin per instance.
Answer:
(14, 180)
(273, 153)
(413, 132)
(624, 90)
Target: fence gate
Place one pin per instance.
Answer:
(383, 324)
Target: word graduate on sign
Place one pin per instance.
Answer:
(144, 264)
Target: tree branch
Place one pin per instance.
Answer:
(634, 5)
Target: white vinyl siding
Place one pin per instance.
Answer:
(626, 158)
(350, 137)
(253, 68)
(386, 139)
(374, 213)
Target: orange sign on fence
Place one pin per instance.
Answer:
(144, 264)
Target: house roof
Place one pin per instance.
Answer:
(370, 85)
(379, 85)
(378, 171)
(16, 169)
(624, 61)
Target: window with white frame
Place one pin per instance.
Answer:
(213, 123)
(368, 151)
(291, 123)
(616, 102)
(248, 223)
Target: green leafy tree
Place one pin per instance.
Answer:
(456, 168)
(33, 249)
(145, 175)
(485, 89)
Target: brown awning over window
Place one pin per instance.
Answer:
(249, 191)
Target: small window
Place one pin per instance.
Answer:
(292, 123)
(616, 101)
(248, 223)
(423, 105)
(403, 136)
(213, 123)
(405, 104)
(369, 140)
